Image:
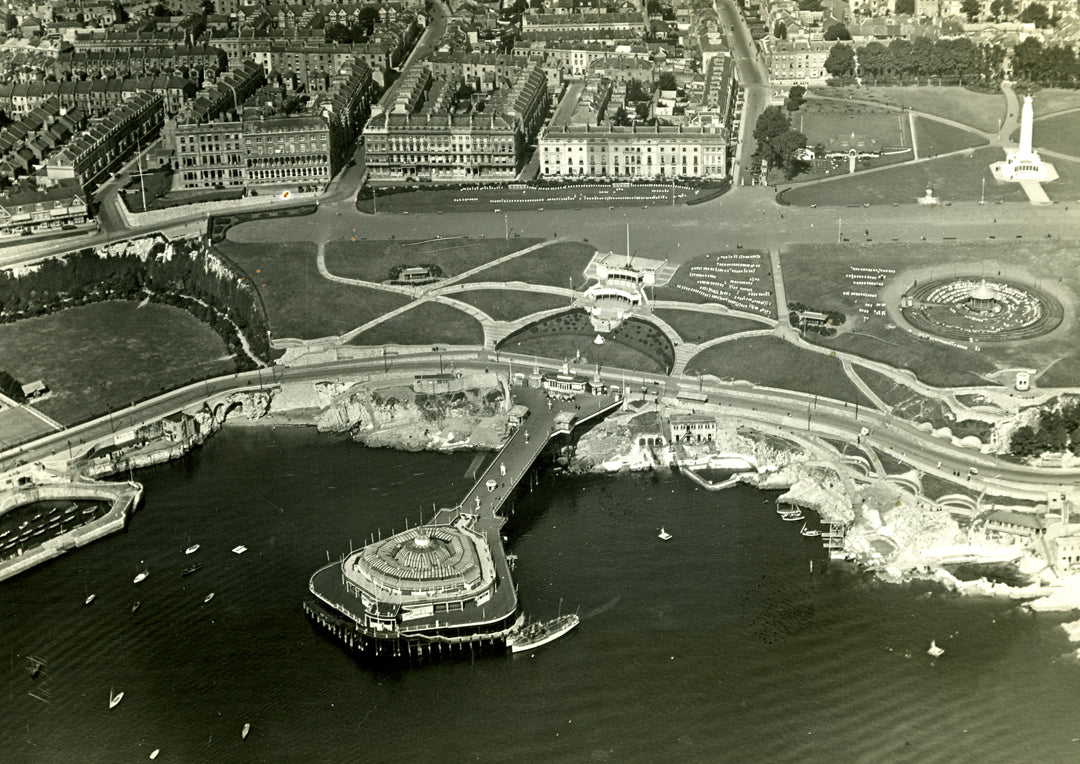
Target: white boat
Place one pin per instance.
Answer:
(142, 576)
(244, 732)
(192, 549)
(806, 532)
(114, 700)
(663, 535)
(90, 599)
(537, 634)
(239, 549)
(208, 597)
(935, 650)
(154, 753)
(791, 517)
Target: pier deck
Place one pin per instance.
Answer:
(481, 511)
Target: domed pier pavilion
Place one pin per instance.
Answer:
(445, 586)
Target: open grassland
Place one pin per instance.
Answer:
(819, 275)
(636, 345)
(953, 178)
(933, 138)
(695, 327)
(1052, 100)
(772, 362)
(1060, 133)
(17, 425)
(983, 111)
(510, 304)
(429, 323)
(844, 125)
(106, 355)
(372, 260)
(740, 279)
(299, 301)
(554, 265)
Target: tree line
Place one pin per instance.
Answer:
(193, 278)
(1057, 429)
(920, 57)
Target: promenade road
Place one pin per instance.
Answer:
(798, 412)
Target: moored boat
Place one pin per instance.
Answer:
(90, 598)
(208, 597)
(540, 633)
(192, 549)
(141, 576)
(114, 699)
(934, 649)
(791, 517)
(244, 732)
(136, 606)
(811, 532)
(239, 549)
(663, 535)
(190, 569)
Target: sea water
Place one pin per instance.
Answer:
(718, 645)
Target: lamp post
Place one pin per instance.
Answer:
(506, 226)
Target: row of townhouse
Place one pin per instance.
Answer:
(93, 155)
(300, 54)
(225, 95)
(489, 67)
(121, 39)
(423, 129)
(95, 97)
(797, 62)
(266, 148)
(634, 24)
(24, 145)
(581, 141)
(134, 61)
(575, 58)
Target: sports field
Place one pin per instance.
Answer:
(841, 127)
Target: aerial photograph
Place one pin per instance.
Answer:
(639, 380)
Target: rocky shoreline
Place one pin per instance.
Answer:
(889, 529)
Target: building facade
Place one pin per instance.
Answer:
(633, 152)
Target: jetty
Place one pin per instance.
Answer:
(446, 585)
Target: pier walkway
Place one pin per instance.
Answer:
(482, 511)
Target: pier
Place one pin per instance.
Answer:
(388, 599)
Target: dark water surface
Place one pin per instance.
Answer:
(718, 645)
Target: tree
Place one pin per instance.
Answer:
(780, 31)
(785, 147)
(10, 22)
(1036, 14)
(160, 10)
(1002, 9)
(905, 7)
(208, 8)
(666, 81)
(121, 15)
(971, 9)
(838, 31)
(10, 387)
(337, 33)
(795, 98)
(810, 5)
(840, 61)
(621, 118)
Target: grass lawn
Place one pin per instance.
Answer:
(429, 323)
(635, 345)
(17, 425)
(843, 125)
(982, 111)
(1060, 133)
(908, 404)
(1051, 100)
(953, 178)
(818, 275)
(741, 279)
(772, 362)
(553, 265)
(933, 138)
(219, 224)
(510, 304)
(106, 355)
(299, 302)
(372, 260)
(696, 327)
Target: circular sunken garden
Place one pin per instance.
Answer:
(978, 309)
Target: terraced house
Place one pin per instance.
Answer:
(450, 127)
